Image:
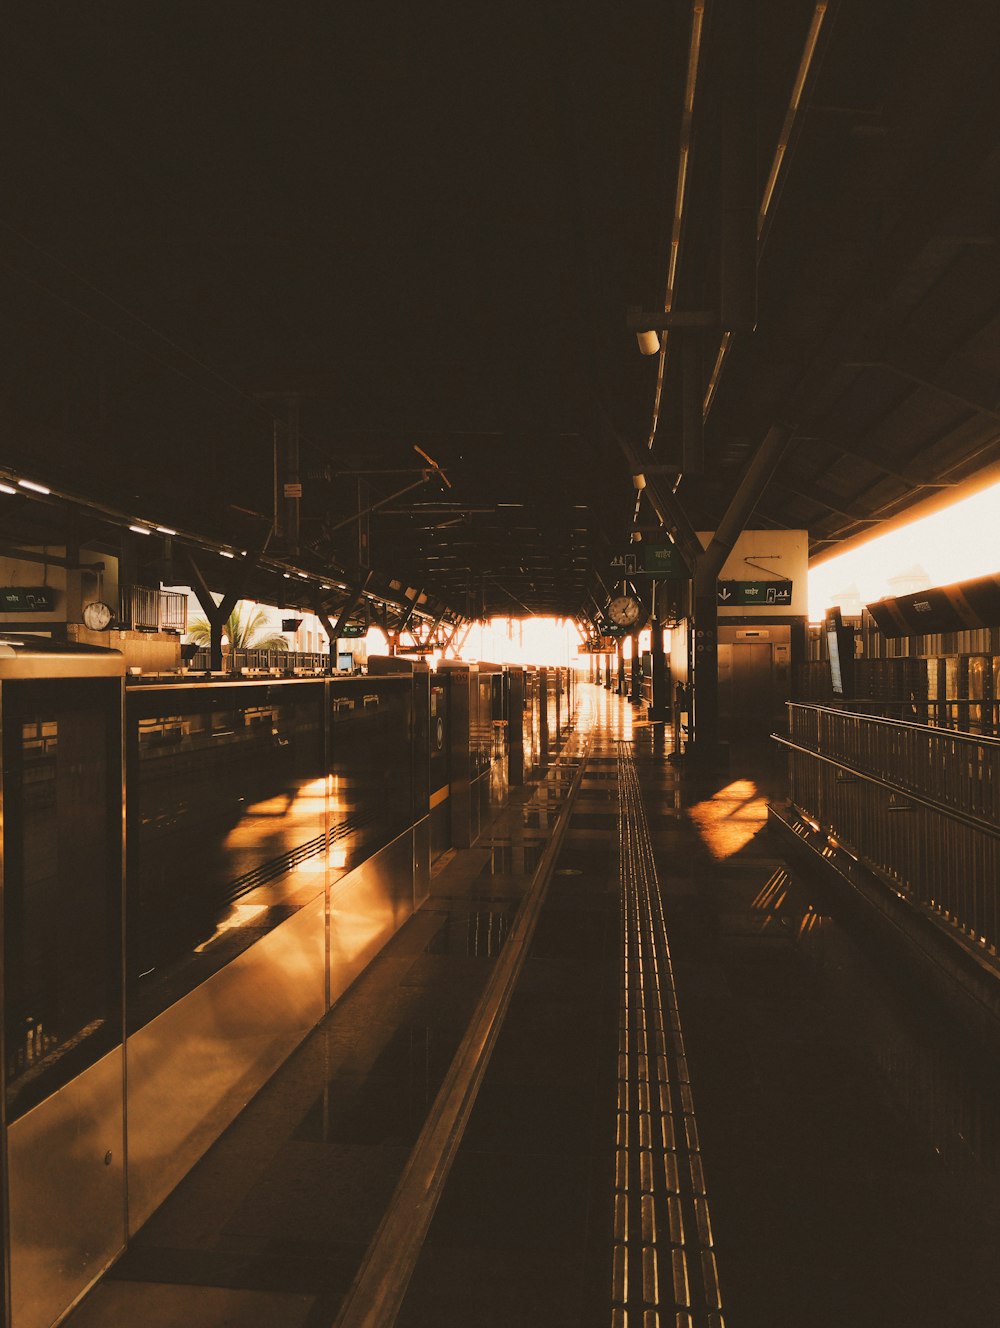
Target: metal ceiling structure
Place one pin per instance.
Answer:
(386, 253)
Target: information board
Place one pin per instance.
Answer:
(27, 599)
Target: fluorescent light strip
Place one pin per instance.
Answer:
(35, 488)
(141, 530)
(7, 488)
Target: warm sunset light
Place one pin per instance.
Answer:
(546, 642)
(952, 545)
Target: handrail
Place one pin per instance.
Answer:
(934, 730)
(955, 813)
(851, 771)
(952, 768)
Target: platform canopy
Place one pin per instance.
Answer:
(410, 235)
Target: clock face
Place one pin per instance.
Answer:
(97, 615)
(624, 611)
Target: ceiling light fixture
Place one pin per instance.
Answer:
(141, 530)
(35, 488)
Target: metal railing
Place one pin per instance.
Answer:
(173, 611)
(144, 609)
(263, 661)
(920, 805)
(963, 714)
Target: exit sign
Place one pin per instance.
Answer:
(26, 599)
(662, 560)
(648, 559)
(351, 630)
(746, 593)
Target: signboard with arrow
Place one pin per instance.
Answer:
(744, 593)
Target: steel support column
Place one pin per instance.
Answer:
(659, 701)
(635, 672)
(705, 631)
(218, 614)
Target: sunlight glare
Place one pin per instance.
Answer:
(544, 642)
(952, 545)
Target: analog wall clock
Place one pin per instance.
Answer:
(624, 611)
(97, 615)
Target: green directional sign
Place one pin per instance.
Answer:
(26, 599)
(626, 564)
(647, 559)
(662, 560)
(744, 593)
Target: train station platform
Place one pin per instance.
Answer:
(628, 1065)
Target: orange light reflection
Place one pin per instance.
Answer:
(729, 819)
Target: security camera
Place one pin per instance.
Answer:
(649, 342)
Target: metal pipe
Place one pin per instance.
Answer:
(680, 196)
(770, 188)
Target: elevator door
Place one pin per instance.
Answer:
(753, 685)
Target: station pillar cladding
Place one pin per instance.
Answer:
(462, 677)
(515, 725)
(659, 700)
(543, 717)
(635, 672)
(735, 653)
(705, 670)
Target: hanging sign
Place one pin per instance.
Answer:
(626, 564)
(744, 593)
(662, 560)
(648, 559)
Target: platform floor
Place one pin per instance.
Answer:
(850, 1144)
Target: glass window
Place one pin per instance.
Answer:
(62, 881)
(227, 828)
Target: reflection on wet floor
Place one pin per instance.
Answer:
(535, 819)
(594, 820)
(511, 859)
(478, 935)
(390, 1105)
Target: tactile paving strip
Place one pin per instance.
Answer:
(664, 1272)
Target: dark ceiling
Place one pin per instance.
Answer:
(427, 221)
